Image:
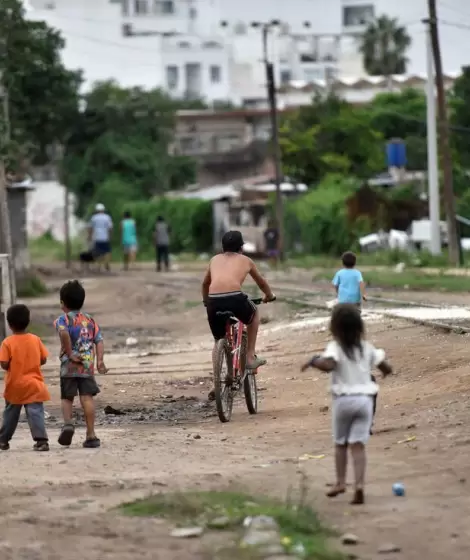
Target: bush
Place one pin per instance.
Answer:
(319, 220)
(190, 221)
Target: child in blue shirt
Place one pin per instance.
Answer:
(348, 282)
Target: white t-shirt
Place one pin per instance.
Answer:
(353, 377)
(101, 225)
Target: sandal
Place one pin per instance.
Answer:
(335, 492)
(358, 498)
(92, 443)
(66, 435)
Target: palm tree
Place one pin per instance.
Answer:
(383, 46)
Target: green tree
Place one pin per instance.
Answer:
(460, 117)
(330, 136)
(123, 135)
(402, 115)
(384, 45)
(43, 96)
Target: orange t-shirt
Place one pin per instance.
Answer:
(24, 383)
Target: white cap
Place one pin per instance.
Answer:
(100, 207)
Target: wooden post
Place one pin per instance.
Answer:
(444, 142)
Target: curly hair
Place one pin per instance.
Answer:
(347, 328)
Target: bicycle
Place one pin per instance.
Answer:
(231, 352)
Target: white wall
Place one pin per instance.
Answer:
(209, 53)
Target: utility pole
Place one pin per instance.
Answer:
(433, 164)
(271, 90)
(6, 245)
(446, 156)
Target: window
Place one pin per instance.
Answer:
(184, 45)
(188, 144)
(358, 15)
(192, 14)
(172, 76)
(166, 7)
(215, 74)
(286, 77)
(141, 7)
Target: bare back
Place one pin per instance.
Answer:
(228, 272)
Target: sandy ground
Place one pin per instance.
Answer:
(60, 504)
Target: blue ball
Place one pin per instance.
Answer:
(398, 489)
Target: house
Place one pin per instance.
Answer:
(242, 205)
(211, 48)
(17, 192)
(228, 145)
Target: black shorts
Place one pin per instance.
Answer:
(83, 386)
(102, 248)
(237, 303)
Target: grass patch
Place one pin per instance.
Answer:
(408, 279)
(40, 329)
(31, 286)
(298, 524)
(48, 248)
(380, 258)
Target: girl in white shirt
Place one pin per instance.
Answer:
(350, 359)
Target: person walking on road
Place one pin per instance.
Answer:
(271, 241)
(128, 239)
(99, 231)
(162, 243)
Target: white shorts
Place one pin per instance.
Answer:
(352, 418)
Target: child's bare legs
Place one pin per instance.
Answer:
(68, 429)
(358, 453)
(67, 410)
(341, 464)
(88, 406)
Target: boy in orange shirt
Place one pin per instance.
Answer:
(21, 355)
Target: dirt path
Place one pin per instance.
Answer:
(169, 438)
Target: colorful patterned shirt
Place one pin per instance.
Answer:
(84, 334)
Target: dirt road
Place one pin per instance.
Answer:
(59, 505)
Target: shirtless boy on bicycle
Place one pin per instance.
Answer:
(222, 291)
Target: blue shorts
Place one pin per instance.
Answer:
(102, 248)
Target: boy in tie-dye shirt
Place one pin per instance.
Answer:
(80, 339)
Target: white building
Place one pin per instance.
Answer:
(181, 46)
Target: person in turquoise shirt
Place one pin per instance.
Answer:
(348, 282)
(128, 239)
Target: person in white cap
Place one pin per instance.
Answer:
(100, 229)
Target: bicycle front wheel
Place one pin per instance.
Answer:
(223, 376)
(251, 392)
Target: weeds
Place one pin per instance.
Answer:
(299, 524)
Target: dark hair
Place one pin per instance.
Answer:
(160, 219)
(347, 328)
(232, 242)
(72, 295)
(18, 316)
(127, 214)
(349, 259)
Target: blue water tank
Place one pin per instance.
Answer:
(396, 153)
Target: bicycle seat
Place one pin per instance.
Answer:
(228, 315)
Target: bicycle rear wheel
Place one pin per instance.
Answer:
(249, 383)
(223, 376)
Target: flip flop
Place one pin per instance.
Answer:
(66, 435)
(358, 498)
(335, 492)
(256, 364)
